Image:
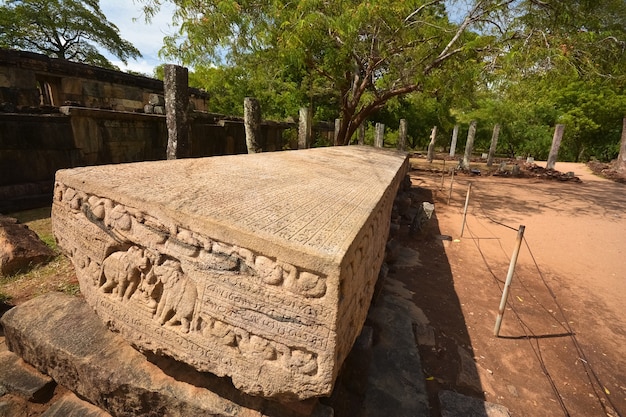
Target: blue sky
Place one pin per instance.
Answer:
(148, 38)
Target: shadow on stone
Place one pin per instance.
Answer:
(223, 387)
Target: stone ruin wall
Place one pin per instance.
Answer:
(31, 82)
(103, 124)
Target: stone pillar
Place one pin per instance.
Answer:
(305, 128)
(252, 124)
(175, 84)
(431, 145)
(362, 134)
(455, 135)
(621, 158)
(494, 144)
(379, 138)
(469, 145)
(402, 135)
(337, 130)
(556, 144)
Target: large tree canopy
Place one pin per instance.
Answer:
(66, 29)
(560, 62)
(363, 53)
(577, 38)
(360, 55)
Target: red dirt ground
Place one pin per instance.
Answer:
(562, 345)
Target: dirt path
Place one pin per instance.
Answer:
(563, 338)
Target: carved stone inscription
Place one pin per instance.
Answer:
(274, 303)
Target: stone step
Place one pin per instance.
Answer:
(61, 336)
(19, 378)
(454, 404)
(71, 406)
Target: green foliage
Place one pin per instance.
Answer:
(345, 58)
(592, 114)
(4, 298)
(526, 65)
(66, 29)
(591, 111)
(569, 37)
(422, 112)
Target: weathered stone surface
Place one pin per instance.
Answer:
(396, 385)
(20, 378)
(61, 336)
(468, 374)
(72, 406)
(19, 247)
(258, 267)
(454, 404)
(11, 409)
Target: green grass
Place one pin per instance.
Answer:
(38, 220)
(4, 298)
(56, 275)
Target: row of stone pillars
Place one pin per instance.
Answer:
(176, 91)
(469, 145)
(176, 81)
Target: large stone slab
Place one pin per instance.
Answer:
(257, 267)
(72, 406)
(19, 378)
(62, 337)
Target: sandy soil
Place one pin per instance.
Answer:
(562, 343)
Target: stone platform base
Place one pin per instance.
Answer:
(62, 337)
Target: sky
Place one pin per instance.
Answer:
(148, 38)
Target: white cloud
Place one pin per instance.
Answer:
(148, 38)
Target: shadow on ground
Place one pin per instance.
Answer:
(444, 343)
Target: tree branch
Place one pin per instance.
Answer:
(419, 9)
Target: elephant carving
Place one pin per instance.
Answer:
(122, 271)
(178, 299)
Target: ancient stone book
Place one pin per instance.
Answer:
(257, 267)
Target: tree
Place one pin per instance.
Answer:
(364, 53)
(66, 29)
(559, 61)
(359, 56)
(579, 38)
